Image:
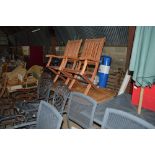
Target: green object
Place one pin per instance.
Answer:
(142, 61)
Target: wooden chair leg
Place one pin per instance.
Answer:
(72, 82)
(67, 81)
(56, 77)
(87, 89)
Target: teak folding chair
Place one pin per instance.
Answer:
(70, 54)
(87, 64)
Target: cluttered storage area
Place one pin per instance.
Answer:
(66, 77)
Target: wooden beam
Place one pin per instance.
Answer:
(131, 35)
(53, 40)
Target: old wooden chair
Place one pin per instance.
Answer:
(70, 54)
(87, 64)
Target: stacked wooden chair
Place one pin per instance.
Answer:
(70, 55)
(83, 68)
(87, 64)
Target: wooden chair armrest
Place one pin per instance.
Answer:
(92, 62)
(74, 59)
(89, 60)
(55, 56)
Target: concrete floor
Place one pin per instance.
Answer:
(74, 125)
(122, 102)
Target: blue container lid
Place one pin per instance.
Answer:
(106, 60)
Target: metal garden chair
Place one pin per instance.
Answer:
(118, 119)
(47, 118)
(60, 97)
(81, 109)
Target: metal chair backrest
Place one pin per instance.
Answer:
(44, 87)
(117, 119)
(72, 48)
(48, 117)
(92, 49)
(81, 109)
(61, 94)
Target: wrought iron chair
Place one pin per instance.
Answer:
(10, 120)
(81, 109)
(60, 96)
(47, 118)
(44, 86)
(118, 119)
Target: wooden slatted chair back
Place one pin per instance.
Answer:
(72, 48)
(92, 49)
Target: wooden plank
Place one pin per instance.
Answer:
(100, 94)
(130, 45)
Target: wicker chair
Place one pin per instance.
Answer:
(81, 109)
(117, 119)
(47, 118)
(30, 108)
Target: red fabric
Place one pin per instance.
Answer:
(36, 56)
(148, 97)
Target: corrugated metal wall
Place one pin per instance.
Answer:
(41, 37)
(115, 35)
